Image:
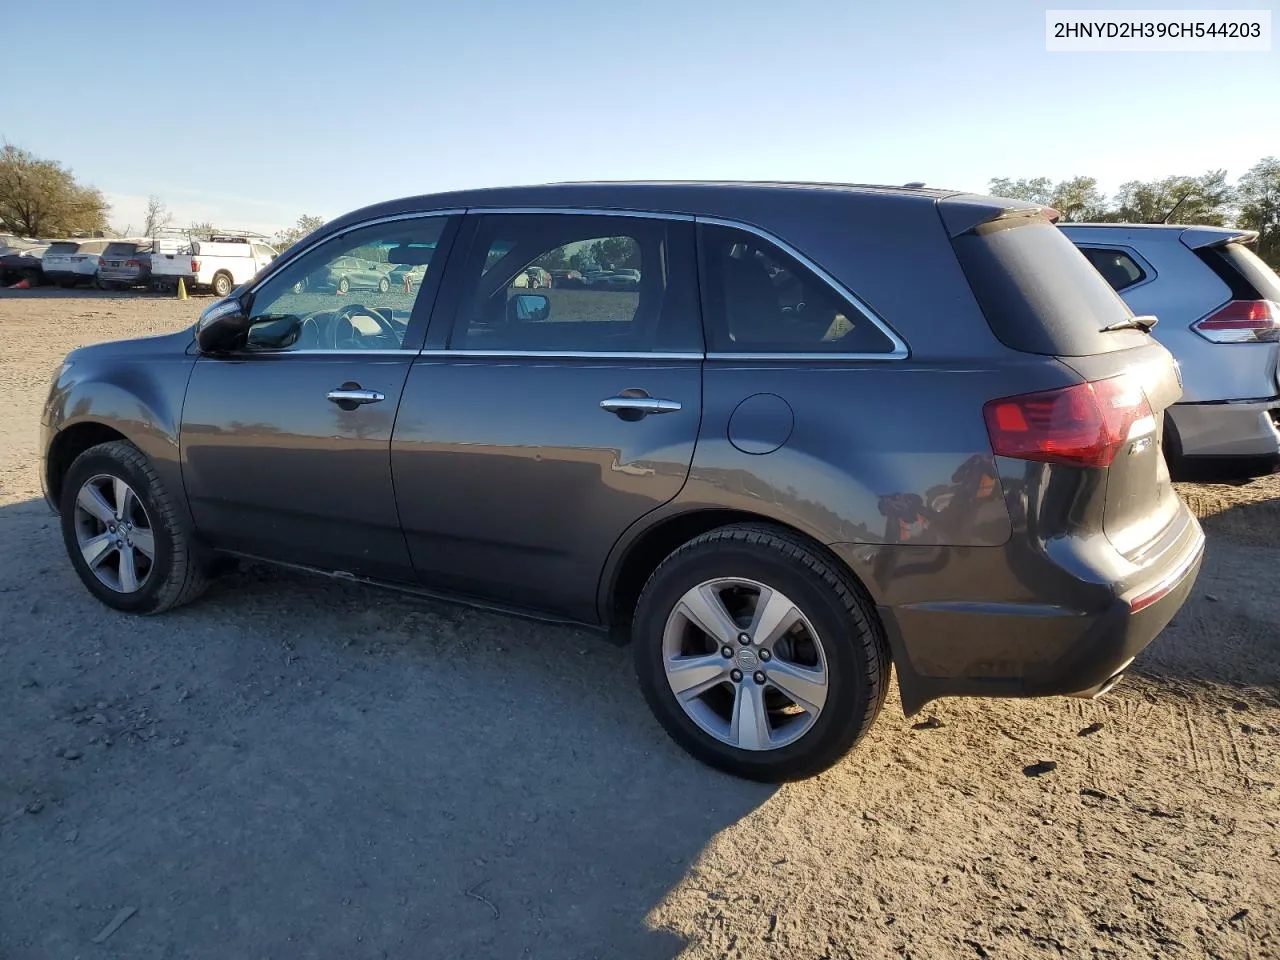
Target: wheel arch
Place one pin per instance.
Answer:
(69, 443)
(639, 552)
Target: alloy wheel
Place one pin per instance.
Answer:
(114, 533)
(745, 664)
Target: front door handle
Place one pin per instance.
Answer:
(638, 406)
(346, 395)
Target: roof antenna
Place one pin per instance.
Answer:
(1177, 205)
(914, 184)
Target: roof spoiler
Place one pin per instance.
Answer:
(1201, 238)
(966, 211)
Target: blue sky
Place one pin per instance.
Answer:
(250, 114)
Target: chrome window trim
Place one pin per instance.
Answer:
(899, 351)
(416, 215)
(562, 354)
(583, 212)
(1143, 263)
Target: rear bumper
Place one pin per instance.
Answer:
(1075, 638)
(68, 276)
(1232, 428)
(121, 276)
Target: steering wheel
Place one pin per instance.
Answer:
(343, 317)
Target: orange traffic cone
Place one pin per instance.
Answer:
(23, 284)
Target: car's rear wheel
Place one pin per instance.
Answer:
(32, 277)
(123, 534)
(221, 284)
(758, 655)
(344, 286)
(384, 285)
(299, 287)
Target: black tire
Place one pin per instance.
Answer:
(300, 287)
(852, 638)
(32, 277)
(384, 285)
(176, 576)
(344, 286)
(221, 284)
(67, 284)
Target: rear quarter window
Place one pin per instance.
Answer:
(1039, 293)
(1117, 267)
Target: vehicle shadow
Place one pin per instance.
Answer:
(1226, 632)
(92, 293)
(293, 766)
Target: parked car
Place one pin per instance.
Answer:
(1218, 307)
(26, 264)
(772, 504)
(400, 273)
(346, 274)
(570, 279)
(220, 263)
(124, 264)
(12, 243)
(619, 280)
(70, 263)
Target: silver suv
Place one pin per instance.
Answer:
(1218, 307)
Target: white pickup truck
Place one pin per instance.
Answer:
(220, 263)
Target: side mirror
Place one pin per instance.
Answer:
(277, 333)
(528, 307)
(222, 326)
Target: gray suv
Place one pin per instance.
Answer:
(829, 429)
(1218, 307)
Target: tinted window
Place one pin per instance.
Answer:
(63, 247)
(761, 300)
(1039, 293)
(510, 301)
(1244, 271)
(350, 293)
(120, 250)
(1117, 267)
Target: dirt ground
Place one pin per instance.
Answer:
(296, 768)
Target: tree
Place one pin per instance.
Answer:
(616, 253)
(41, 198)
(290, 235)
(158, 216)
(1178, 199)
(553, 260)
(1079, 200)
(1039, 190)
(1258, 194)
(200, 228)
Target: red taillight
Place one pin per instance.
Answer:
(195, 265)
(1082, 425)
(101, 262)
(1241, 321)
(132, 263)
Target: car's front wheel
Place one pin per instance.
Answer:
(758, 655)
(122, 532)
(384, 285)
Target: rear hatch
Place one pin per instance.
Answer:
(1250, 320)
(1042, 297)
(60, 256)
(122, 259)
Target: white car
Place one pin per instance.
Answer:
(69, 263)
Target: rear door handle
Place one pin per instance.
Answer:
(639, 405)
(355, 396)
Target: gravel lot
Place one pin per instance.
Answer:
(298, 768)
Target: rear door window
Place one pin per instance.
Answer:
(759, 299)
(1038, 291)
(1117, 267)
